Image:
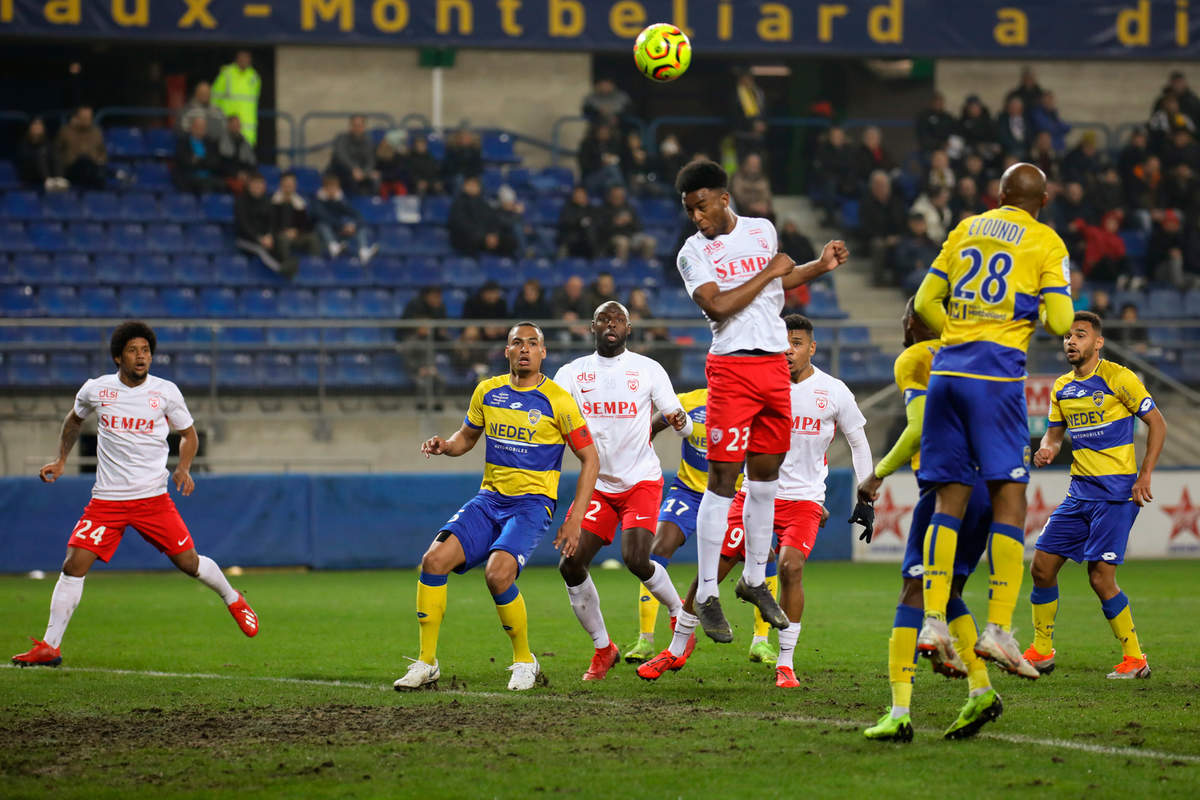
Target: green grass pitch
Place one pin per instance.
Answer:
(160, 695)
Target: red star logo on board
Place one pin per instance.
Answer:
(1036, 513)
(888, 515)
(1185, 517)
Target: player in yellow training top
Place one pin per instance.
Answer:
(1096, 402)
(997, 273)
(527, 420)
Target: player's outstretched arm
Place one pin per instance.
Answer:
(657, 425)
(189, 445)
(460, 442)
(928, 303)
(1057, 312)
(567, 539)
(721, 305)
(66, 442)
(1154, 445)
(833, 255)
(1050, 445)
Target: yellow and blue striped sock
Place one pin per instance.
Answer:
(510, 605)
(1045, 608)
(1006, 561)
(762, 628)
(941, 540)
(431, 608)
(965, 633)
(1116, 610)
(902, 657)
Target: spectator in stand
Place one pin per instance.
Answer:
(80, 151)
(1182, 190)
(353, 159)
(531, 303)
(1186, 100)
(571, 304)
(338, 223)
(935, 208)
(488, 303)
(1147, 189)
(974, 168)
(991, 194)
(577, 226)
(36, 164)
(464, 157)
(934, 125)
(254, 224)
(1165, 121)
(1028, 92)
(1084, 161)
(751, 189)
(1045, 119)
(236, 160)
(872, 155)
(196, 162)
(608, 105)
(424, 174)
(470, 353)
(618, 228)
(1012, 130)
(663, 168)
(1191, 243)
(882, 220)
(1101, 303)
(515, 232)
(1104, 259)
(941, 175)
(389, 160)
(292, 227)
(1106, 193)
(1131, 335)
(750, 115)
(798, 246)
(601, 159)
(967, 199)
(1181, 148)
(603, 289)
(1043, 156)
(419, 345)
(649, 339)
(833, 174)
(909, 259)
(474, 228)
(1132, 155)
(200, 106)
(236, 92)
(1165, 254)
(1081, 296)
(1069, 206)
(976, 128)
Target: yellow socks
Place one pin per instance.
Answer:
(1045, 609)
(431, 607)
(1006, 560)
(647, 611)
(963, 630)
(941, 540)
(1116, 610)
(762, 628)
(511, 607)
(902, 655)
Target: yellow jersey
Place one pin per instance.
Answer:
(693, 465)
(526, 430)
(912, 370)
(1098, 412)
(997, 265)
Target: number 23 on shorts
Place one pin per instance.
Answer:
(739, 438)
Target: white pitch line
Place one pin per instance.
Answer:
(1011, 738)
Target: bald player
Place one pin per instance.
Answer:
(997, 274)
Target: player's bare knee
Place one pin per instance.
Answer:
(791, 568)
(573, 571)
(1042, 571)
(1103, 581)
(78, 562)
(911, 593)
(434, 562)
(188, 563)
(499, 577)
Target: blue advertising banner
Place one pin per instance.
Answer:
(937, 28)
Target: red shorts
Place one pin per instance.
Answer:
(749, 406)
(796, 525)
(155, 518)
(633, 508)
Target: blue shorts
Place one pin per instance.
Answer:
(491, 521)
(974, 429)
(972, 536)
(1089, 530)
(680, 504)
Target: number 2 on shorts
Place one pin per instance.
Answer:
(593, 509)
(81, 531)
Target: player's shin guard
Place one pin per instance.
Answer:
(211, 576)
(711, 519)
(63, 602)
(660, 586)
(1045, 609)
(1006, 560)
(762, 628)
(510, 605)
(963, 629)
(941, 540)
(1116, 611)
(758, 519)
(685, 626)
(647, 612)
(431, 608)
(902, 656)
(585, 601)
(787, 645)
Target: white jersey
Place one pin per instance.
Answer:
(615, 395)
(132, 427)
(820, 403)
(729, 261)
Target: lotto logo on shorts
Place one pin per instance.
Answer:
(1017, 472)
(1109, 556)
(916, 570)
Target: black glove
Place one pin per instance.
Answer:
(864, 514)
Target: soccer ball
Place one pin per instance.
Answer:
(662, 52)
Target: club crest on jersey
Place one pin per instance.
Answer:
(1098, 398)
(534, 416)
(763, 243)
(631, 380)
(154, 402)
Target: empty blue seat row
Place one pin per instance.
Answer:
(130, 237)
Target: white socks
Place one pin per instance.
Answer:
(585, 600)
(63, 603)
(685, 626)
(787, 644)
(663, 590)
(211, 576)
(758, 520)
(711, 522)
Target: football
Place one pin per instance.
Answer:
(662, 52)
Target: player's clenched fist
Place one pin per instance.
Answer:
(833, 255)
(676, 420)
(51, 472)
(435, 446)
(1043, 456)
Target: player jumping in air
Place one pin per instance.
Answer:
(615, 389)
(1096, 402)
(733, 271)
(819, 404)
(1000, 271)
(983, 703)
(134, 411)
(526, 420)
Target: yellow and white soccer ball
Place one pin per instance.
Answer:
(662, 52)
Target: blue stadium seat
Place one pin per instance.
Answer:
(112, 268)
(431, 241)
(1136, 242)
(395, 239)
(167, 238)
(309, 365)
(22, 205)
(238, 371)
(64, 206)
(1134, 298)
(233, 270)
(566, 267)
(293, 337)
(385, 271)
(140, 301)
(127, 143)
(152, 270)
(182, 334)
(8, 176)
(206, 238)
(435, 209)
(437, 145)
(691, 371)
(139, 207)
(182, 301)
(850, 215)
(219, 301)
(271, 173)
(1164, 304)
(347, 274)
(260, 302)
(352, 369)
(855, 334)
(160, 142)
(553, 180)
(501, 270)
(519, 179)
(59, 301)
(14, 238)
(129, 238)
(26, 369)
(308, 180)
(389, 370)
(217, 207)
(359, 336)
(541, 269)
(48, 236)
(180, 207)
(152, 175)
(545, 210)
(72, 269)
(337, 303)
(98, 301)
(497, 147)
(377, 304)
(1189, 365)
(68, 369)
(88, 237)
(464, 273)
(101, 206)
(297, 303)
(193, 370)
(656, 211)
(192, 270)
(276, 369)
(491, 180)
(454, 300)
(1191, 304)
(241, 335)
(375, 210)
